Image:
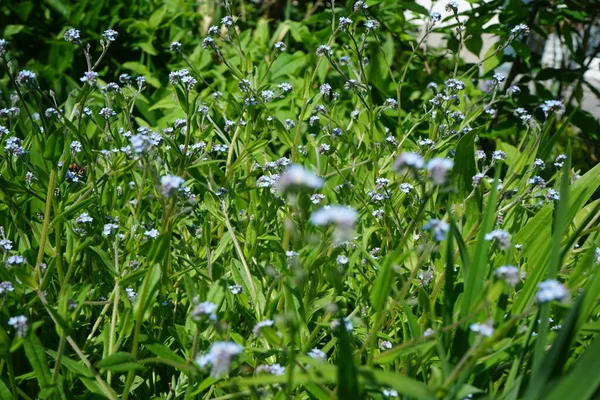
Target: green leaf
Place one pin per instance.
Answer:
(561, 222)
(156, 18)
(449, 293)
(147, 47)
(549, 140)
(590, 290)
(402, 384)
(132, 277)
(4, 343)
(317, 391)
(464, 165)
(216, 293)
(60, 7)
(288, 65)
(560, 226)
(300, 33)
(62, 326)
(400, 350)
(385, 278)
(182, 98)
(119, 362)
(536, 234)
(294, 306)
(11, 30)
(512, 392)
(583, 379)
(242, 278)
(205, 384)
(165, 103)
(491, 60)
(474, 275)
(522, 50)
(104, 257)
(147, 295)
(160, 248)
(160, 350)
(34, 350)
(54, 145)
(224, 243)
(554, 359)
(347, 378)
(5, 392)
(475, 43)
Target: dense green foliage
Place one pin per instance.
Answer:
(298, 201)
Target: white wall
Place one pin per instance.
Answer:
(552, 47)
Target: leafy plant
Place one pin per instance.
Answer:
(287, 209)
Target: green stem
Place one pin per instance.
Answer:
(47, 209)
(403, 77)
(11, 377)
(191, 356)
(59, 260)
(240, 253)
(113, 324)
(59, 354)
(373, 337)
(105, 389)
(139, 314)
(188, 135)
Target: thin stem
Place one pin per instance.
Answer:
(11, 77)
(240, 254)
(115, 310)
(45, 226)
(188, 134)
(11, 377)
(59, 354)
(403, 77)
(105, 389)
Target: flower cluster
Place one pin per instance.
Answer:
(219, 357)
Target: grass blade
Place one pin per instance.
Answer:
(475, 273)
(346, 378)
(554, 360)
(582, 381)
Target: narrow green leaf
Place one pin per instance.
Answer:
(402, 384)
(385, 278)
(555, 359)
(560, 226)
(561, 220)
(181, 97)
(4, 343)
(464, 167)
(582, 381)
(347, 381)
(317, 391)
(449, 292)
(400, 350)
(160, 248)
(512, 392)
(536, 234)
(590, 290)
(475, 274)
(493, 60)
(160, 350)
(104, 257)
(147, 297)
(34, 350)
(5, 392)
(548, 141)
(119, 362)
